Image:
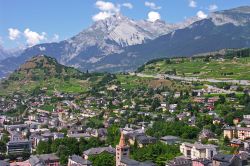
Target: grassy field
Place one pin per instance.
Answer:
(70, 86)
(130, 82)
(238, 69)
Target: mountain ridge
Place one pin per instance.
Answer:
(121, 44)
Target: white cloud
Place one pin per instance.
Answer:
(33, 38)
(212, 7)
(107, 6)
(192, 3)
(14, 33)
(152, 5)
(153, 16)
(201, 14)
(101, 16)
(127, 5)
(42, 48)
(107, 9)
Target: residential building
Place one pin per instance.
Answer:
(198, 150)
(19, 146)
(241, 133)
(97, 151)
(228, 160)
(141, 139)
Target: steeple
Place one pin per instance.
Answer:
(122, 140)
(122, 150)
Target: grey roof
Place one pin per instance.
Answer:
(170, 137)
(95, 151)
(50, 157)
(19, 142)
(198, 145)
(223, 157)
(130, 162)
(79, 135)
(204, 161)
(142, 138)
(79, 159)
(236, 141)
(147, 163)
(237, 128)
(35, 161)
(180, 161)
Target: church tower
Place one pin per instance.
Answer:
(122, 150)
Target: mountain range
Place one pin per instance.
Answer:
(122, 44)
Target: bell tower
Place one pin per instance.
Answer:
(122, 150)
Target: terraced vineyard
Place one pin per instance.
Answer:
(235, 68)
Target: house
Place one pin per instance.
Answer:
(141, 139)
(58, 136)
(75, 160)
(246, 120)
(236, 121)
(36, 139)
(97, 151)
(78, 136)
(228, 160)
(202, 162)
(236, 143)
(172, 108)
(241, 132)
(206, 134)
(170, 139)
(49, 159)
(19, 146)
(180, 161)
(198, 150)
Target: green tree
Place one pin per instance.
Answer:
(2, 147)
(103, 159)
(43, 147)
(113, 135)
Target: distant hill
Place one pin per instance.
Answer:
(44, 72)
(43, 67)
(226, 64)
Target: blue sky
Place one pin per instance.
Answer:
(28, 22)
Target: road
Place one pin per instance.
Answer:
(163, 76)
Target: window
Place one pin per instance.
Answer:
(211, 153)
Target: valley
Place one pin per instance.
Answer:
(123, 91)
